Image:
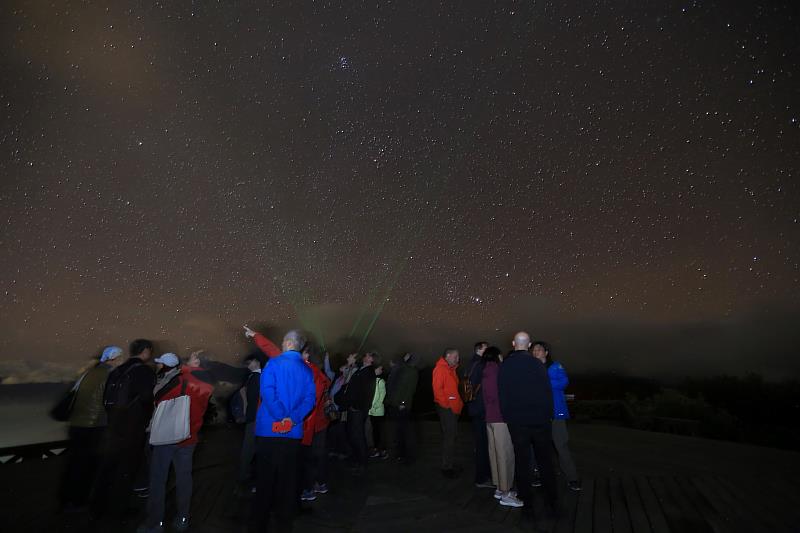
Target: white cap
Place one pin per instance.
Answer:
(168, 359)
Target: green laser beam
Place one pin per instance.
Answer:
(383, 302)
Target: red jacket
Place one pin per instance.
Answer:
(266, 346)
(199, 393)
(445, 387)
(316, 420)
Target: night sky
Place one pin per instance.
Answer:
(620, 178)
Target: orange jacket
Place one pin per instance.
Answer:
(445, 387)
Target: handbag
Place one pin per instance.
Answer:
(63, 409)
(170, 423)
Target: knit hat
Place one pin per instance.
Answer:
(110, 352)
(168, 359)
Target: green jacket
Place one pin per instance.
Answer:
(377, 399)
(88, 410)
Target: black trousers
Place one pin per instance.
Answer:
(277, 469)
(83, 458)
(404, 441)
(315, 461)
(540, 437)
(449, 422)
(483, 471)
(121, 455)
(356, 434)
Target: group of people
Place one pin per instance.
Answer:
(109, 426)
(518, 410)
(297, 412)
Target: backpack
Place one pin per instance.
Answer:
(117, 391)
(237, 406)
(468, 391)
(342, 397)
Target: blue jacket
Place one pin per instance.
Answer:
(287, 390)
(524, 390)
(558, 381)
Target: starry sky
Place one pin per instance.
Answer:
(620, 178)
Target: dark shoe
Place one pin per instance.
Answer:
(536, 480)
(321, 488)
(575, 485)
(142, 492)
(308, 495)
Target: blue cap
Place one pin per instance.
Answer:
(110, 352)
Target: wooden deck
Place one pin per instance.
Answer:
(633, 481)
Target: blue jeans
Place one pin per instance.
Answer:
(160, 460)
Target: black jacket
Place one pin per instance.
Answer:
(252, 391)
(361, 388)
(474, 373)
(524, 389)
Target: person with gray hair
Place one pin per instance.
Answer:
(288, 394)
(444, 381)
(526, 403)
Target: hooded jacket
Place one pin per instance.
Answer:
(199, 391)
(287, 391)
(445, 387)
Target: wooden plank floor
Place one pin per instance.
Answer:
(685, 496)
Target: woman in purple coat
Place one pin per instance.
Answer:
(501, 450)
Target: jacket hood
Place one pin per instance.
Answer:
(442, 362)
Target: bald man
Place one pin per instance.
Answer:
(526, 401)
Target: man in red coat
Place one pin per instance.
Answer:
(192, 380)
(448, 407)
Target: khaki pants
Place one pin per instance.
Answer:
(501, 455)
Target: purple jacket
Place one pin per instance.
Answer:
(491, 399)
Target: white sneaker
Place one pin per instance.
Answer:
(498, 494)
(510, 500)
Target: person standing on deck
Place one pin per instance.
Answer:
(287, 397)
(128, 400)
(360, 392)
(87, 424)
(194, 381)
(376, 417)
(315, 428)
(526, 403)
(501, 450)
(448, 407)
(250, 391)
(558, 382)
(400, 391)
(472, 374)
